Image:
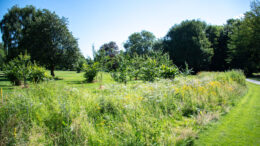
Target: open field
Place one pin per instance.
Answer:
(69, 78)
(68, 111)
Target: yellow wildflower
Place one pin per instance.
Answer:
(201, 89)
(214, 93)
(14, 132)
(215, 84)
(140, 98)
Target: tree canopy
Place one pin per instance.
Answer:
(244, 45)
(2, 55)
(140, 43)
(187, 43)
(106, 55)
(13, 26)
(42, 33)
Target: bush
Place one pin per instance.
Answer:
(90, 71)
(120, 76)
(149, 70)
(168, 72)
(122, 72)
(18, 69)
(38, 74)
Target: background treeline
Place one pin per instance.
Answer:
(201, 46)
(193, 43)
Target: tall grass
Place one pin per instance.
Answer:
(165, 112)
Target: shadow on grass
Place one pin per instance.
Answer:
(255, 76)
(75, 82)
(3, 79)
(58, 78)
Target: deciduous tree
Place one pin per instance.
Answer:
(139, 43)
(187, 42)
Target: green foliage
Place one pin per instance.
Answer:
(13, 25)
(18, 69)
(149, 70)
(164, 112)
(139, 43)
(122, 73)
(245, 41)
(187, 42)
(107, 56)
(38, 74)
(2, 56)
(52, 46)
(57, 45)
(91, 71)
(168, 72)
(218, 37)
(155, 64)
(186, 71)
(80, 62)
(135, 65)
(21, 68)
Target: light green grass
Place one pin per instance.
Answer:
(5, 84)
(70, 78)
(74, 79)
(241, 126)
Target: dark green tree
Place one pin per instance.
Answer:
(218, 37)
(106, 55)
(244, 46)
(42, 33)
(140, 43)
(13, 25)
(2, 55)
(187, 42)
(49, 41)
(158, 45)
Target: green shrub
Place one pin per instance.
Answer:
(238, 76)
(38, 74)
(90, 71)
(120, 77)
(122, 72)
(168, 72)
(149, 70)
(18, 69)
(233, 75)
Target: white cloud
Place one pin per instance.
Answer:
(239, 16)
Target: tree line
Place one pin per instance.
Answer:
(234, 45)
(193, 43)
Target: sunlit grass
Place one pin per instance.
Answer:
(240, 127)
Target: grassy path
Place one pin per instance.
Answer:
(241, 126)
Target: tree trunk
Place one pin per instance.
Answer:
(24, 82)
(52, 70)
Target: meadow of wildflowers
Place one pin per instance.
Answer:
(164, 112)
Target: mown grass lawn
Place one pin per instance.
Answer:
(77, 80)
(70, 78)
(241, 126)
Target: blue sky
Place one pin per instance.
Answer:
(100, 21)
